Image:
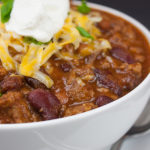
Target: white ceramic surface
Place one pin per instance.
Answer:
(93, 130)
(140, 142)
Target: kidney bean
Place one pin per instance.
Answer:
(66, 67)
(107, 81)
(45, 103)
(122, 54)
(34, 83)
(103, 100)
(11, 83)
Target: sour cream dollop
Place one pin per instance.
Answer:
(39, 19)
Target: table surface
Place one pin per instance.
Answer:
(139, 9)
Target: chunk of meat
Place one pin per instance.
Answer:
(103, 100)
(77, 90)
(77, 109)
(128, 33)
(34, 83)
(45, 103)
(4, 118)
(11, 83)
(122, 55)
(125, 68)
(130, 75)
(85, 72)
(89, 60)
(117, 41)
(129, 81)
(136, 69)
(82, 50)
(105, 63)
(7, 100)
(69, 48)
(62, 96)
(66, 67)
(139, 58)
(107, 81)
(3, 73)
(104, 25)
(16, 109)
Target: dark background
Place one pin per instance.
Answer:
(139, 9)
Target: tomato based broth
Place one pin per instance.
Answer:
(80, 83)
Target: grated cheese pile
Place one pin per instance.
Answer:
(31, 57)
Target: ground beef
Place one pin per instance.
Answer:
(61, 94)
(104, 25)
(11, 83)
(79, 109)
(130, 75)
(77, 90)
(3, 73)
(16, 109)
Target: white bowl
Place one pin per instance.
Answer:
(97, 129)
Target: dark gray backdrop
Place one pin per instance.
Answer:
(139, 9)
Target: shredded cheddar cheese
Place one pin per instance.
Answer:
(7, 60)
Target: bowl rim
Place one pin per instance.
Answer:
(104, 108)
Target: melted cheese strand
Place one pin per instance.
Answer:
(5, 57)
(31, 61)
(47, 53)
(45, 79)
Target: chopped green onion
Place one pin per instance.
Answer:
(6, 10)
(1, 94)
(30, 40)
(84, 9)
(84, 33)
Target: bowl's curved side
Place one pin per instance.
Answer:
(88, 131)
